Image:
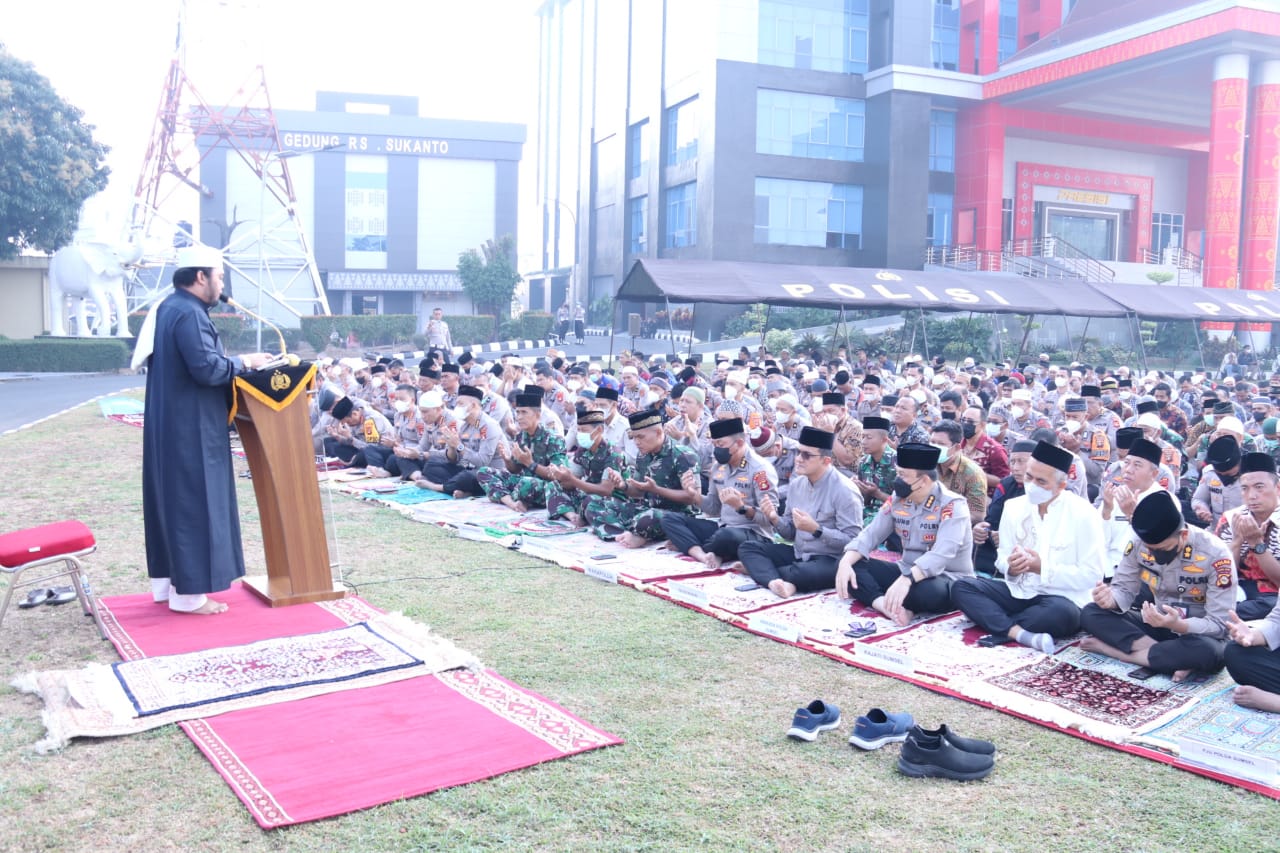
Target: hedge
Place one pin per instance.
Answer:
(64, 355)
(470, 329)
(535, 325)
(371, 329)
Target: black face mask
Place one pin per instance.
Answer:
(721, 454)
(1163, 404)
(362, 379)
(969, 430)
(902, 488)
(948, 416)
(1164, 558)
(1227, 479)
(1259, 416)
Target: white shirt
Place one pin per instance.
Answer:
(1069, 540)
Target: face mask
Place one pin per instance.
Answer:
(378, 382)
(1164, 558)
(362, 379)
(1019, 411)
(993, 430)
(1037, 494)
(753, 384)
(584, 440)
(1162, 404)
(731, 392)
(947, 416)
(1125, 395)
(969, 430)
(1209, 419)
(1259, 416)
(721, 454)
(1059, 382)
(901, 487)
(574, 385)
(1107, 399)
(401, 406)
(786, 417)
(944, 456)
(1072, 427)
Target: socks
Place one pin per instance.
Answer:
(186, 603)
(160, 589)
(1039, 642)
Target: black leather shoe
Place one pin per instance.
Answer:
(927, 756)
(968, 744)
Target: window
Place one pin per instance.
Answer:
(637, 216)
(366, 304)
(682, 132)
(1007, 43)
(795, 124)
(682, 216)
(638, 150)
(946, 34)
(822, 35)
(1166, 232)
(942, 141)
(366, 212)
(938, 229)
(808, 213)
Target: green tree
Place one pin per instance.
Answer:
(49, 161)
(489, 276)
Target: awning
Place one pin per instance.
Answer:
(734, 282)
(858, 287)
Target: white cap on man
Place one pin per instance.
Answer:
(201, 257)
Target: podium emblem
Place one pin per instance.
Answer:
(280, 381)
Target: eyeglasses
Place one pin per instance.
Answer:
(807, 455)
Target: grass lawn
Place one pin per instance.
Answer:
(702, 708)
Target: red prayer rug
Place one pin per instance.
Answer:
(394, 740)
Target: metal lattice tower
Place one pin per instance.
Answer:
(267, 255)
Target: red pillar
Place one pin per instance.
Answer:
(979, 175)
(1226, 167)
(1262, 202)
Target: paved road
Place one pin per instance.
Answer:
(28, 397)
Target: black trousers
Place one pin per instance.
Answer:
(1256, 666)
(1256, 604)
(454, 478)
(348, 453)
(767, 562)
(579, 330)
(379, 456)
(990, 604)
(931, 595)
(685, 532)
(1171, 652)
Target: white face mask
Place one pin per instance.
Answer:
(401, 406)
(1060, 382)
(1037, 495)
(574, 385)
(1018, 411)
(1072, 427)
(378, 382)
(585, 440)
(993, 430)
(731, 392)
(785, 417)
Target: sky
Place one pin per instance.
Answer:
(463, 59)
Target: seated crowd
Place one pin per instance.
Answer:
(1041, 501)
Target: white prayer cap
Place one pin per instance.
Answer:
(918, 395)
(940, 379)
(353, 363)
(789, 399)
(1021, 394)
(1229, 424)
(739, 376)
(630, 368)
(1151, 419)
(199, 256)
(430, 400)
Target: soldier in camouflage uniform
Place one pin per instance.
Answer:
(875, 478)
(528, 462)
(657, 487)
(584, 477)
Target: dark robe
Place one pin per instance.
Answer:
(188, 485)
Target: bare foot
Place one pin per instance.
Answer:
(1093, 644)
(903, 617)
(209, 608)
(575, 519)
(713, 562)
(457, 493)
(1256, 698)
(423, 483)
(519, 506)
(631, 540)
(1180, 675)
(375, 471)
(781, 588)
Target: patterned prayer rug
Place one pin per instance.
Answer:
(1221, 722)
(824, 618)
(1091, 694)
(944, 651)
(1110, 666)
(717, 591)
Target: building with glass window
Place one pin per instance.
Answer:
(868, 132)
(388, 199)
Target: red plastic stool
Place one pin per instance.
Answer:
(46, 546)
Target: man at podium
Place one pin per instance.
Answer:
(188, 486)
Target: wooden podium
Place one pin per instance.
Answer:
(272, 418)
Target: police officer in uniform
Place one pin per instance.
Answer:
(1219, 489)
(1168, 605)
(739, 482)
(1098, 439)
(823, 513)
(528, 461)
(471, 441)
(937, 543)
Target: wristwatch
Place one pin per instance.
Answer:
(742, 510)
(1260, 548)
(817, 534)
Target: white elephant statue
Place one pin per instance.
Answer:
(93, 271)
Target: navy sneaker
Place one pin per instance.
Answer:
(877, 728)
(926, 756)
(817, 717)
(968, 744)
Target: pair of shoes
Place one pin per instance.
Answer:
(57, 595)
(876, 728)
(817, 716)
(941, 753)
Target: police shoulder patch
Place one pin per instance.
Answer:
(761, 480)
(1128, 549)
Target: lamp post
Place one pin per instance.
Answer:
(573, 270)
(262, 204)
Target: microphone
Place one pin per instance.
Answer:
(283, 349)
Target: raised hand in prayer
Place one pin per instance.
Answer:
(613, 478)
(504, 450)
(1161, 616)
(1023, 561)
(1243, 633)
(1127, 499)
(1247, 530)
(1103, 596)
(803, 521)
(691, 481)
(522, 455)
(731, 497)
(770, 509)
